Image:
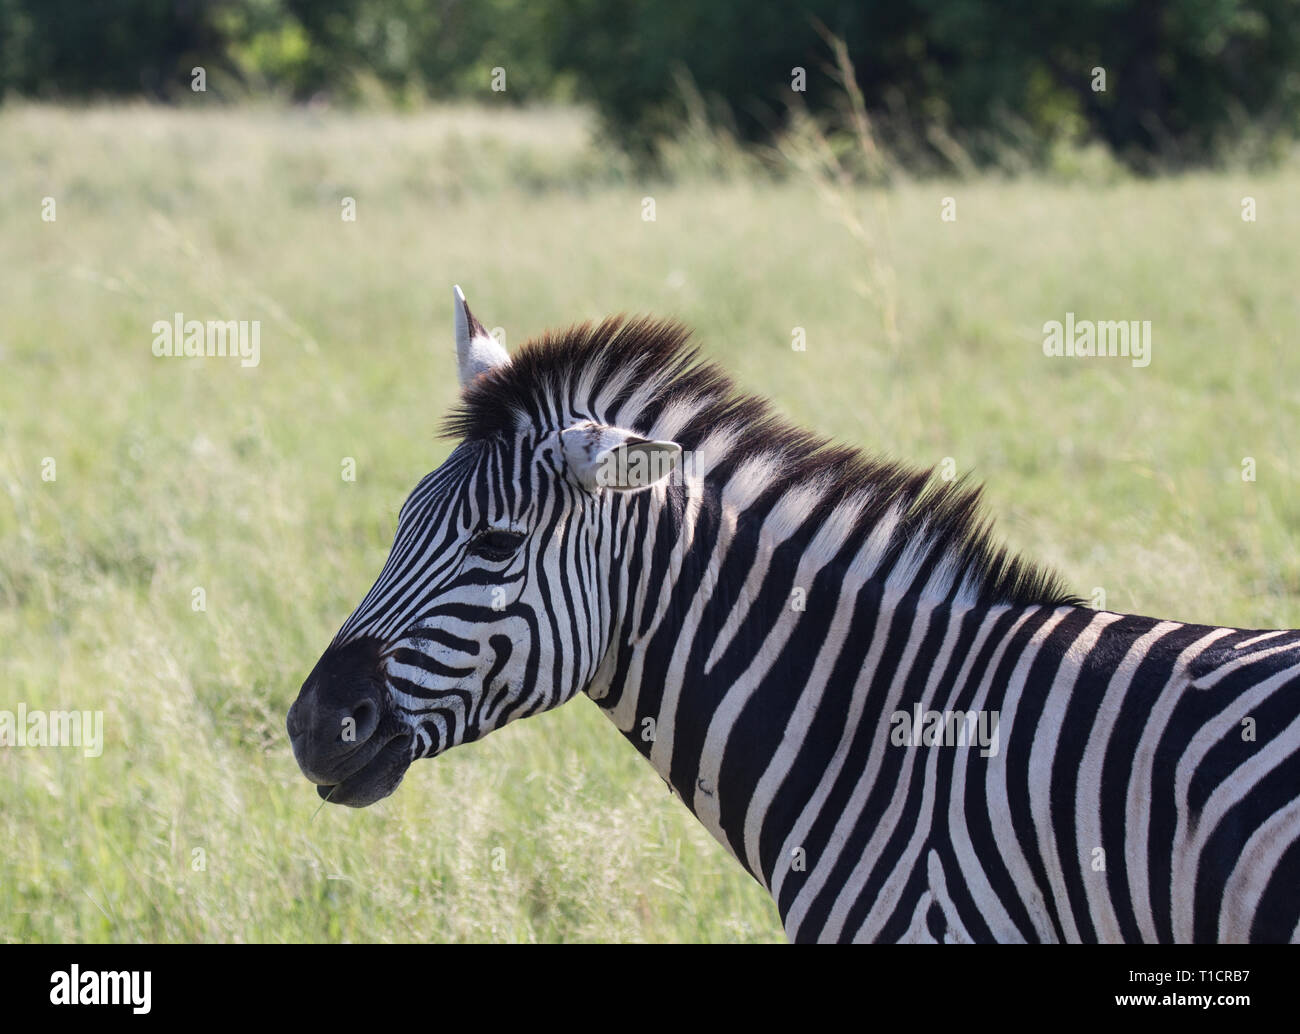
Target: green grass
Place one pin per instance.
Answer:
(173, 474)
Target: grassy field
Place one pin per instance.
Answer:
(924, 341)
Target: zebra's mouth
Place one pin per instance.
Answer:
(376, 779)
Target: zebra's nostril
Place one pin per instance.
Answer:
(360, 725)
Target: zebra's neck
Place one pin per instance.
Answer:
(777, 725)
(746, 632)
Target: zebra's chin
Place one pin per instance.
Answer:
(376, 779)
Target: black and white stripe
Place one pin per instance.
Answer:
(753, 623)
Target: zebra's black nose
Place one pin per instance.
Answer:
(339, 710)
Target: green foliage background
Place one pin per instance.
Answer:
(1187, 80)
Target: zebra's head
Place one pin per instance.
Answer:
(494, 602)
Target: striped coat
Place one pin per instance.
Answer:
(901, 731)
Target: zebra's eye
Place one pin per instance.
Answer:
(496, 544)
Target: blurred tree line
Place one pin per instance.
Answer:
(1183, 79)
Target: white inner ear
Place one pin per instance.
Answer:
(599, 456)
(477, 351)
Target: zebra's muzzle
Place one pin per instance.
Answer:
(346, 736)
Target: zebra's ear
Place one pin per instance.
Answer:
(599, 456)
(476, 350)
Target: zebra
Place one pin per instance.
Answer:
(901, 730)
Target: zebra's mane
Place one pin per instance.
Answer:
(643, 375)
